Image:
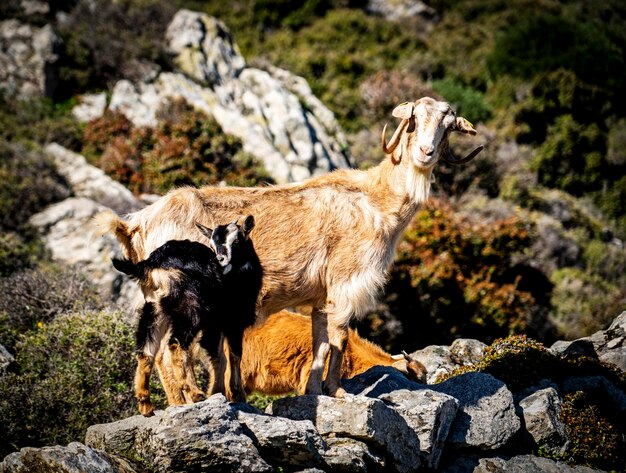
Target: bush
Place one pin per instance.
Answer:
(466, 101)
(186, 148)
(71, 373)
(454, 277)
(32, 297)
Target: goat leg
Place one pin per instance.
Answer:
(142, 383)
(338, 338)
(321, 348)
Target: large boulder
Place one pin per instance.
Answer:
(273, 112)
(486, 418)
(28, 59)
(75, 458)
(205, 436)
(360, 418)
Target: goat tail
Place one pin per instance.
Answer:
(137, 271)
(109, 222)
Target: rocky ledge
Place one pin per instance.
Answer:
(471, 422)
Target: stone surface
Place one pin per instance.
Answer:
(486, 418)
(28, 59)
(75, 458)
(541, 411)
(5, 359)
(205, 436)
(516, 464)
(357, 417)
(350, 455)
(68, 231)
(91, 106)
(273, 112)
(437, 359)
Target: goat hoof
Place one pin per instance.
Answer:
(338, 392)
(146, 409)
(198, 397)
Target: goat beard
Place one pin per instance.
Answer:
(418, 182)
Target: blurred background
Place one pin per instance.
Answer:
(525, 239)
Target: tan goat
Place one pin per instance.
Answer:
(277, 356)
(327, 242)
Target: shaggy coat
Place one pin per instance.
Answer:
(327, 242)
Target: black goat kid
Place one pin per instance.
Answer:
(196, 290)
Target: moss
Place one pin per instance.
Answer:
(521, 362)
(596, 440)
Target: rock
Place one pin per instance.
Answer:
(90, 182)
(265, 109)
(486, 417)
(466, 351)
(203, 48)
(5, 359)
(205, 436)
(429, 413)
(91, 106)
(609, 345)
(75, 458)
(541, 411)
(400, 9)
(28, 59)
(67, 229)
(516, 464)
(357, 417)
(286, 442)
(437, 359)
(349, 455)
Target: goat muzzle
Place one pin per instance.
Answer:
(449, 157)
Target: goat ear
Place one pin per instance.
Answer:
(248, 225)
(464, 126)
(207, 232)
(404, 110)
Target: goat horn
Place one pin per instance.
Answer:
(395, 139)
(407, 357)
(449, 157)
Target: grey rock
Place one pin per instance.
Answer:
(28, 59)
(429, 413)
(273, 113)
(486, 417)
(467, 351)
(516, 464)
(541, 411)
(349, 455)
(90, 182)
(75, 458)
(357, 417)
(5, 359)
(203, 48)
(438, 361)
(400, 9)
(205, 436)
(283, 441)
(68, 231)
(91, 106)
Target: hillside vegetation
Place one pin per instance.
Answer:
(528, 238)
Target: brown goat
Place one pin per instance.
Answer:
(327, 242)
(277, 356)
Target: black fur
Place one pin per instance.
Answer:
(203, 298)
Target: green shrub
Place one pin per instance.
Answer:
(466, 101)
(186, 148)
(71, 373)
(32, 297)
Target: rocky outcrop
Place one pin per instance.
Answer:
(400, 9)
(28, 59)
(469, 423)
(68, 230)
(273, 112)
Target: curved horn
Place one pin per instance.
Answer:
(395, 139)
(449, 157)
